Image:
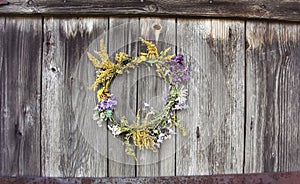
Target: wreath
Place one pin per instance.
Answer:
(157, 126)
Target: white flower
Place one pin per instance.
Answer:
(171, 131)
(162, 137)
(102, 115)
(146, 106)
(182, 96)
(115, 129)
(168, 137)
(99, 118)
(160, 140)
(99, 122)
(180, 107)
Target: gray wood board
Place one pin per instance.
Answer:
(273, 97)
(215, 119)
(152, 90)
(264, 9)
(20, 89)
(72, 144)
(123, 37)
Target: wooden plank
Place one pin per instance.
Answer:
(152, 90)
(2, 30)
(20, 89)
(264, 9)
(256, 178)
(215, 120)
(273, 97)
(123, 37)
(72, 143)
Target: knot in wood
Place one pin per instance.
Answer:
(152, 8)
(30, 2)
(157, 27)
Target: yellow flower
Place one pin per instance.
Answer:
(106, 67)
(152, 50)
(103, 77)
(102, 53)
(105, 63)
(101, 94)
(120, 57)
(143, 139)
(94, 60)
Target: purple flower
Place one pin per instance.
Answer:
(109, 103)
(185, 77)
(179, 73)
(178, 59)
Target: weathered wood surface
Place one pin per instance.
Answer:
(72, 144)
(244, 96)
(123, 35)
(215, 119)
(273, 97)
(264, 9)
(256, 178)
(152, 90)
(20, 90)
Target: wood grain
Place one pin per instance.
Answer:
(72, 144)
(240, 88)
(123, 36)
(20, 89)
(264, 9)
(215, 119)
(273, 98)
(152, 90)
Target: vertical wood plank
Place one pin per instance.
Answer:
(123, 37)
(72, 143)
(2, 30)
(152, 90)
(215, 119)
(273, 97)
(20, 70)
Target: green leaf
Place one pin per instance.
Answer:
(152, 61)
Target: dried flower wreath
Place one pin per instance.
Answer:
(150, 131)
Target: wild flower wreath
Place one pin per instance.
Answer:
(150, 131)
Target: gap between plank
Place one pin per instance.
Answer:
(245, 94)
